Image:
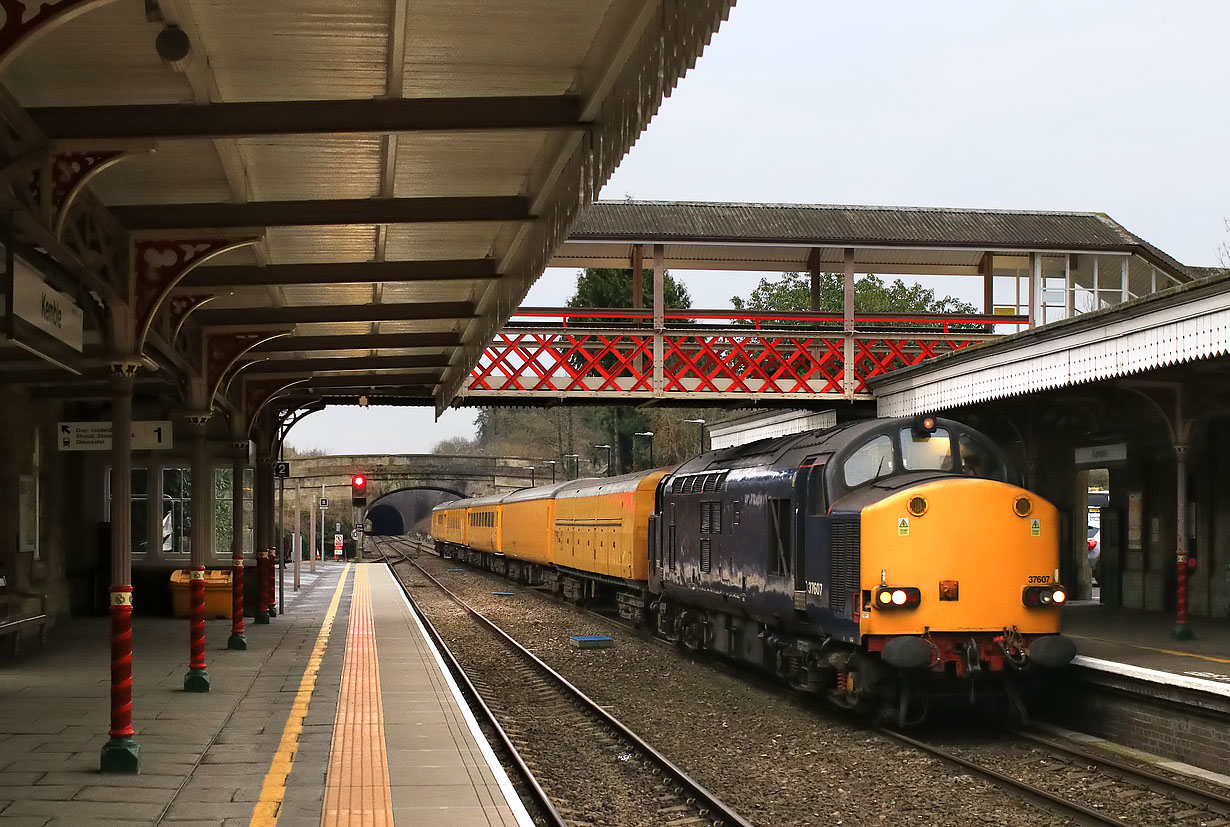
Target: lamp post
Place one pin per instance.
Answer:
(701, 423)
(552, 463)
(648, 435)
(577, 467)
(530, 468)
(608, 458)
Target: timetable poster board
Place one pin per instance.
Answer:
(1135, 520)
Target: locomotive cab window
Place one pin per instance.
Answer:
(870, 462)
(781, 537)
(926, 452)
(978, 460)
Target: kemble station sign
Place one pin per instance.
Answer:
(154, 435)
(40, 318)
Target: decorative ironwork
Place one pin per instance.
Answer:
(23, 17)
(159, 263)
(762, 356)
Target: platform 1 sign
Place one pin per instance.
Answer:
(152, 435)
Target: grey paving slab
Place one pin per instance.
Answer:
(431, 747)
(203, 756)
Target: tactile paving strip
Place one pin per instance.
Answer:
(357, 791)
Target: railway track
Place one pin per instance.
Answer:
(1084, 786)
(1111, 791)
(585, 766)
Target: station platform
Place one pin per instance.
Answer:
(340, 712)
(1139, 644)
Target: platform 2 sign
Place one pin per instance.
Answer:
(152, 435)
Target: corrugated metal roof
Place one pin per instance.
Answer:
(837, 225)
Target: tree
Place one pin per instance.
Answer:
(791, 292)
(609, 287)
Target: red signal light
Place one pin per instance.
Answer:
(358, 481)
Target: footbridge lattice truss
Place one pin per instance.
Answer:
(617, 354)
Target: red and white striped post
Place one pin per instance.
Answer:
(197, 679)
(1181, 630)
(121, 753)
(262, 594)
(239, 456)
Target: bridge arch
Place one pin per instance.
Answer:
(407, 509)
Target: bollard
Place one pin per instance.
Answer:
(237, 640)
(262, 595)
(120, 753)
(197, 679)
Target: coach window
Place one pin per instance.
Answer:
(927, 452)
(872, 461)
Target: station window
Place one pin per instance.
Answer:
(870, 462)
(224, 528)
(176, 511)
(139, 511)
(781, 537)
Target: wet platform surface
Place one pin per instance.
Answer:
(279, 739)
(1108, 635)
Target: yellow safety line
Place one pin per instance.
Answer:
(1153, 649)
(273, 791)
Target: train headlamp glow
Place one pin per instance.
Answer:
(890, 597)
(1044, 596)
(924, 426)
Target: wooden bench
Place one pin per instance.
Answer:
(11, 621)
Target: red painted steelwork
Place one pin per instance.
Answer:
(196, 629)
(262, 593)
(237, 596)
(121, 662)
(773, 355)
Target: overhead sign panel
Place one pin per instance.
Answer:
(42, 319)
(153, 435)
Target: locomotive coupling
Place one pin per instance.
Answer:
(1052, 650)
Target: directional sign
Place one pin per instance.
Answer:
(324, 503)
(154, 435)
(281, 469)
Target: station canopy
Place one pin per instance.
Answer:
(364, 191)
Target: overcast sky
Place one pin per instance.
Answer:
(1116, 106)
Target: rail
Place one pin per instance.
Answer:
(716, 810)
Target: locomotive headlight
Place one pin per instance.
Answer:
(890, 597)
(1044, 596)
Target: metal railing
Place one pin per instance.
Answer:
(710, 354)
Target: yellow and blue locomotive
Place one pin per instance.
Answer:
(876, 562)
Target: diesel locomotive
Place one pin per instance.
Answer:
(878, 563)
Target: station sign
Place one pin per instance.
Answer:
(1099, 455)
(337, 546)
(324, 503)
(281, 469)
(41, 319)
(151, 435)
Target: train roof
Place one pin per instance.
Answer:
(453, 504)
(540, 492)
(590, 486)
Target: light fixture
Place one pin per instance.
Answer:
(362, 401)
(174, 47)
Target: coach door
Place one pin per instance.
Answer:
(810, 565)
